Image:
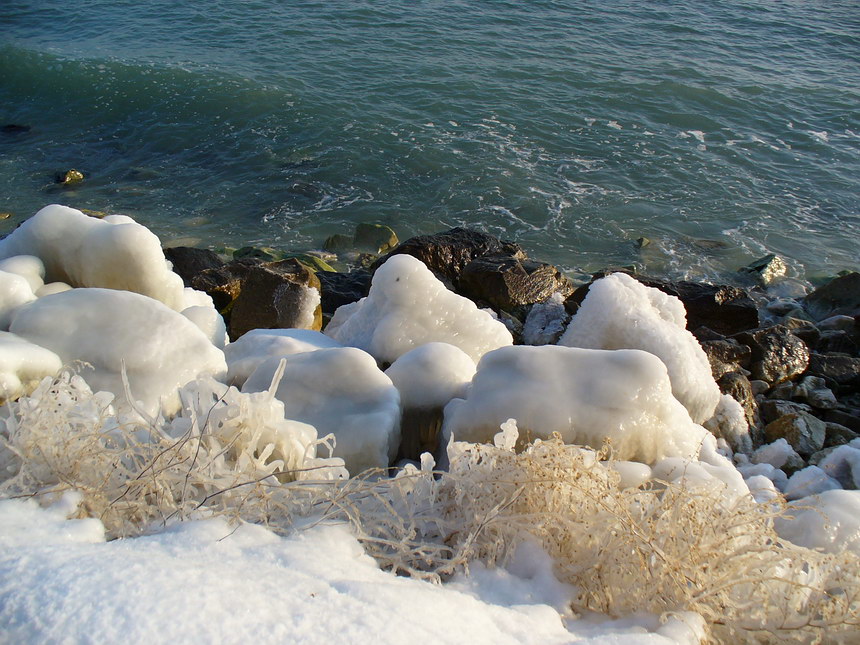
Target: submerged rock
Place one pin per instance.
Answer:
(374, 238)
(69, 177)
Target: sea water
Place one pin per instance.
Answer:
(720, 131)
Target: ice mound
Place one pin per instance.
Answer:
(15, 291)
(829, 521)
(28, 267)
(160, 349)
(431, 375)
(245, 354)
(585, 395)
(23, 365)
(339, 391)
(113, 253)
(809, 481)
(621, 313)
(407, 307)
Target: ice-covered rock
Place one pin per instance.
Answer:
(28, 267)
(843, 464)
(339, 391)
(15, 291)
(160, 349)
(829, 521)
(762, 488)
(248, 352)
(113, 253)
(730, 423)
(546, 321)
(408, 306)
(809, 481)
(778, 454)
(23, 364)
(621, 313)
(775, 475)
(695, 474)
(587, 396)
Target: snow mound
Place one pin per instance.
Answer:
(431, 375)
(23, 365)
(245, 354)
(621, 313)
(829, 521)
(408, 306)
(586, 395)
(160, 349)
(339, 391)
(113, 253)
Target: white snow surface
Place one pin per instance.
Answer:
(586, 395)
(431, 375)
(160, 348)
(245, 354)
(829, 521)
(408, 306)
(114, 253)
(23, 364)
(621, 313)
(340, 391)
(207, 582)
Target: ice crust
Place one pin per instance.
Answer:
(407, 306)
(339, 391)
(829, 521)
(114, 253)
(621, 313)
(108, 329)
(586, 395)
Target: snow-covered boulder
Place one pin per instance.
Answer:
(245, 354)
(408, 306)
(809, 481)
(339, 391)
(621, 313)
(843, 464)
(585, 395)
(23, 364)
(829, 521)
(114, 253)
(160, 349)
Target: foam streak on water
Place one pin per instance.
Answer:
(721, 131)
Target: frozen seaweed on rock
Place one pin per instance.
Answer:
(339, 391)
(114, 253)
(408, 306)
(249, 351)
(585, 395)
(160, 349)
(621, 313)
(23, 365)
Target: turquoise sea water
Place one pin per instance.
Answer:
(719, 130)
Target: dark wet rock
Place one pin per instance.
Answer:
(840, 371)
(822, 454)
(266, 254)
(725, 356)
(374, 238)
(339, 289)
(69, 177)
(224, 283)
(505, 282)
(804, 432)
(724, 309)
(840, 296)
(338, 243)
(188, 261)
(814, 391)
(447, 254)
(803, 329)
(836, 341)
(777, 354)
(14, 128)
(772, 409)
(274, 296)
(765, 270)
(758, 386)
(782, 306)
(840, 323)
(783, 391)
(311, 260)
(419, 432)
(737, 386)
(837, 434)
(850, 418)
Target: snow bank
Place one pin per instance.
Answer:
(114, 253)
(407, 307)
(208, 582)
(23, 365)
(160, 349)
(585, 395)
(621, 313)
(245, 354)
(339, 391)
(829, 521)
